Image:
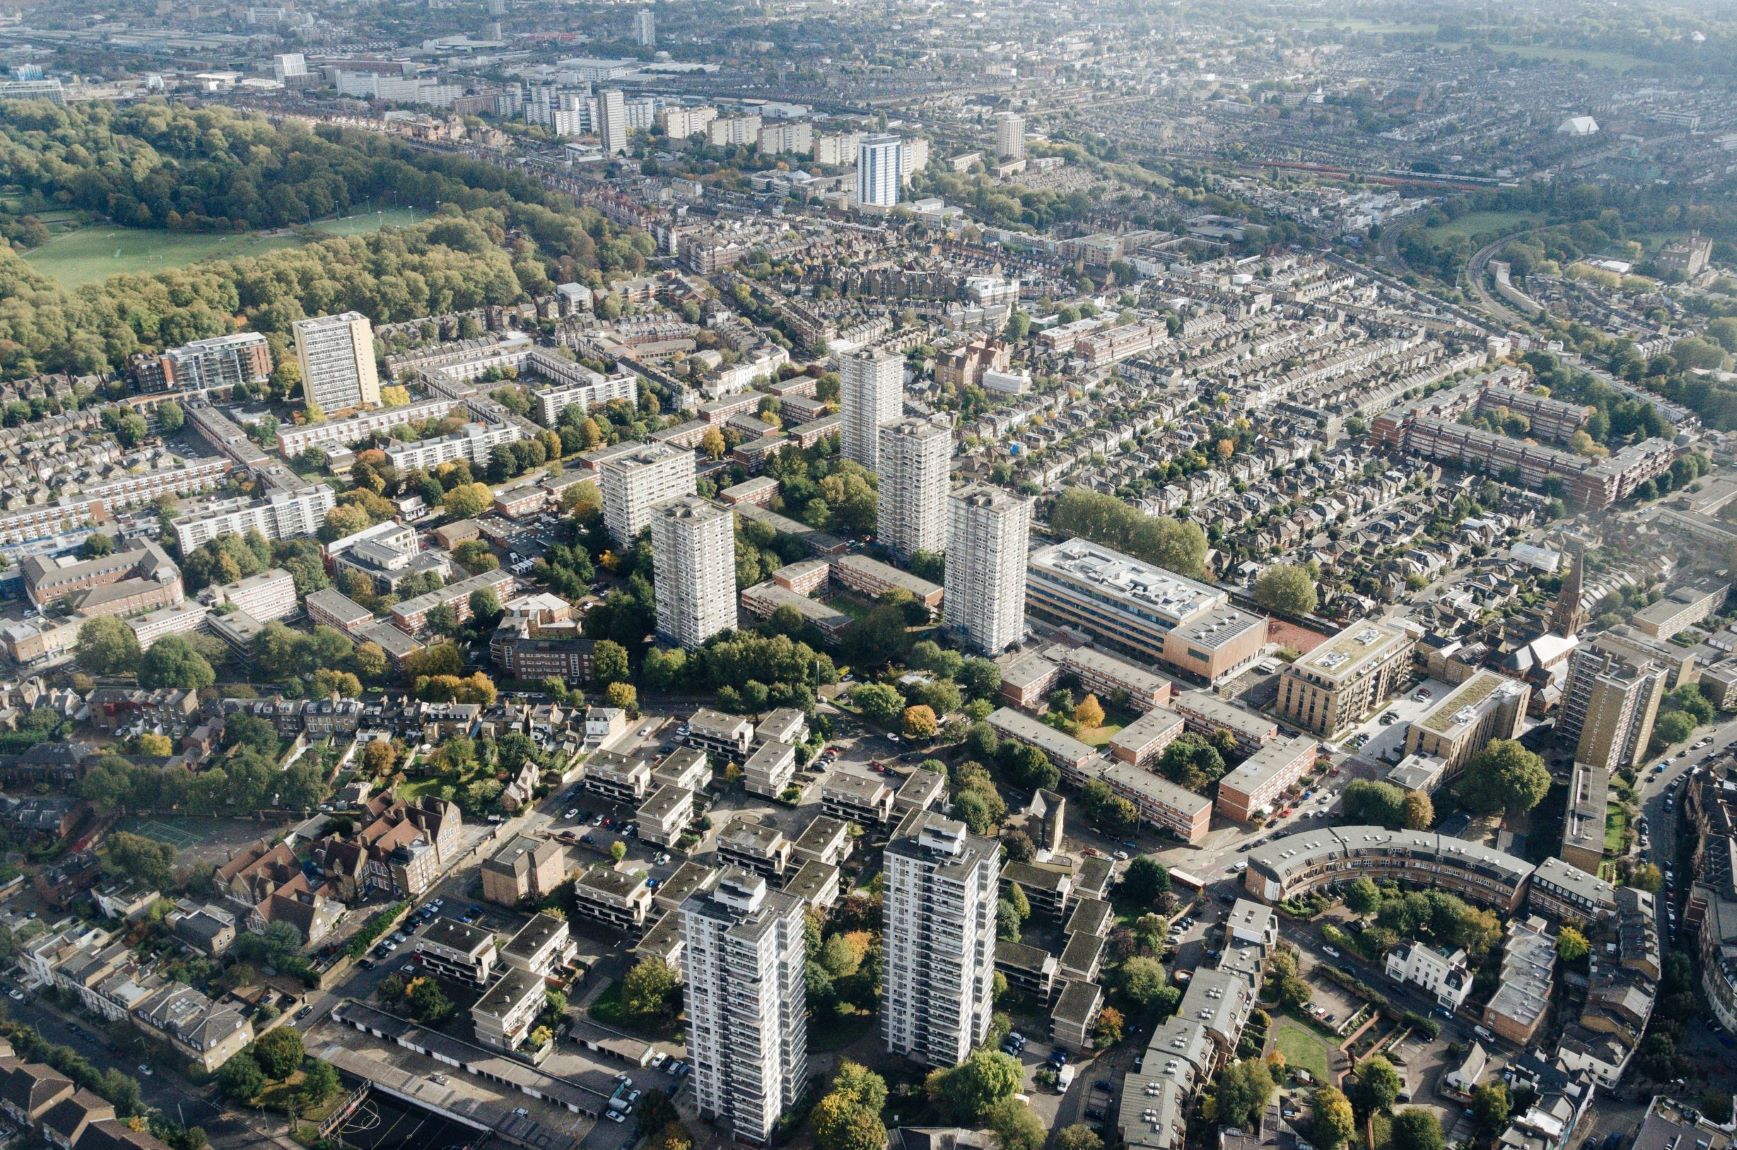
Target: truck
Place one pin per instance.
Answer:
(1064, 1079)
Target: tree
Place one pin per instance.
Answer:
(1090, 713)
(1673, 727)
(919, 723)
(1145, 879)
(279, 1052)
(1490, 1108)
(1334, 1121)
(1373, 801)
(1078, 1137)
(341, 683)
(1287, 589)
(1244, 1089)
(428, 1003)
(467, 500)
(1362, 896)
(1504, 776)
(1142, 982)
(95, 546)
(1109, 1028)
(651, 989)
(712, 443)
(319, 1083)
(240, 1078)
(172, 662)
(170, 417)
(1016, 1127)
(840, 1123)
(623, 695)
(860, 1084)
(141, 858)
(1415, 1128)
(969, 1091)
(1378, 1085)
(609, 663)
(1417, 811)
(877, 701)
(152, 745)
(1571, 945)
(107, 646)
(1647, 877)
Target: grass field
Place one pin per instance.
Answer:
(1485, 223)
(1303, 1046)
(1615, 822)
(1591, 57)
(91, 254)
(369, 220)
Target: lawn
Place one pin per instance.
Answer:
(93, 253)
(369, 220)
(90, 255)
(1615, 822)
(1485, 223)
(1592, 58)
(1302, 1045)
(1098, 736)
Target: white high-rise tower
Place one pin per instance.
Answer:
(742, 954)
(988, 535)
(940, 886)
(1009, 136)
(915, 456)
(878, 163)
(645, 28)
(336, 355)
(693, 555)
(871, 392)
(636, 482)
(612, 121)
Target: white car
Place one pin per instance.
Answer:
(614, 1116)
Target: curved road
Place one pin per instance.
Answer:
(1472, 280)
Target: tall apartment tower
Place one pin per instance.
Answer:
(871, 392)
(336, 354)
(636, 482)
(878, 160)
(612, 121)
(742, 954)
(693, 554)
(988, 535)
(938, 939)
(1609, 705)
(1009, 136)
(915, 455)
(645, 28)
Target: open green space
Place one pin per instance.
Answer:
(1378, 27)
(369, 220)
(1591, 57)
(1485, 223)
(91, 253)
(1098, 736)
(1615, 822)
(1302, 1045)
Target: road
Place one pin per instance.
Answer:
(162, 1089)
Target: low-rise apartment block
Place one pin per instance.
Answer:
(859, 799)
(526, 868)
(458, 951)
(770, 769)
(618, 899)
(1142, 741)
(1255, 785)
(1484, 707)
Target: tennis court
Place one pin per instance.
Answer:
(178, 837)
(384, 1123)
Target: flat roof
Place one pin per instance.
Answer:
(1019, 725)
(887, 573)
(1019, 671)
(1155, 787)
(1341, 656)
(1123, 581)
(1104, 663)
(1147, 727)
(1272, 759)
(1466, 702)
